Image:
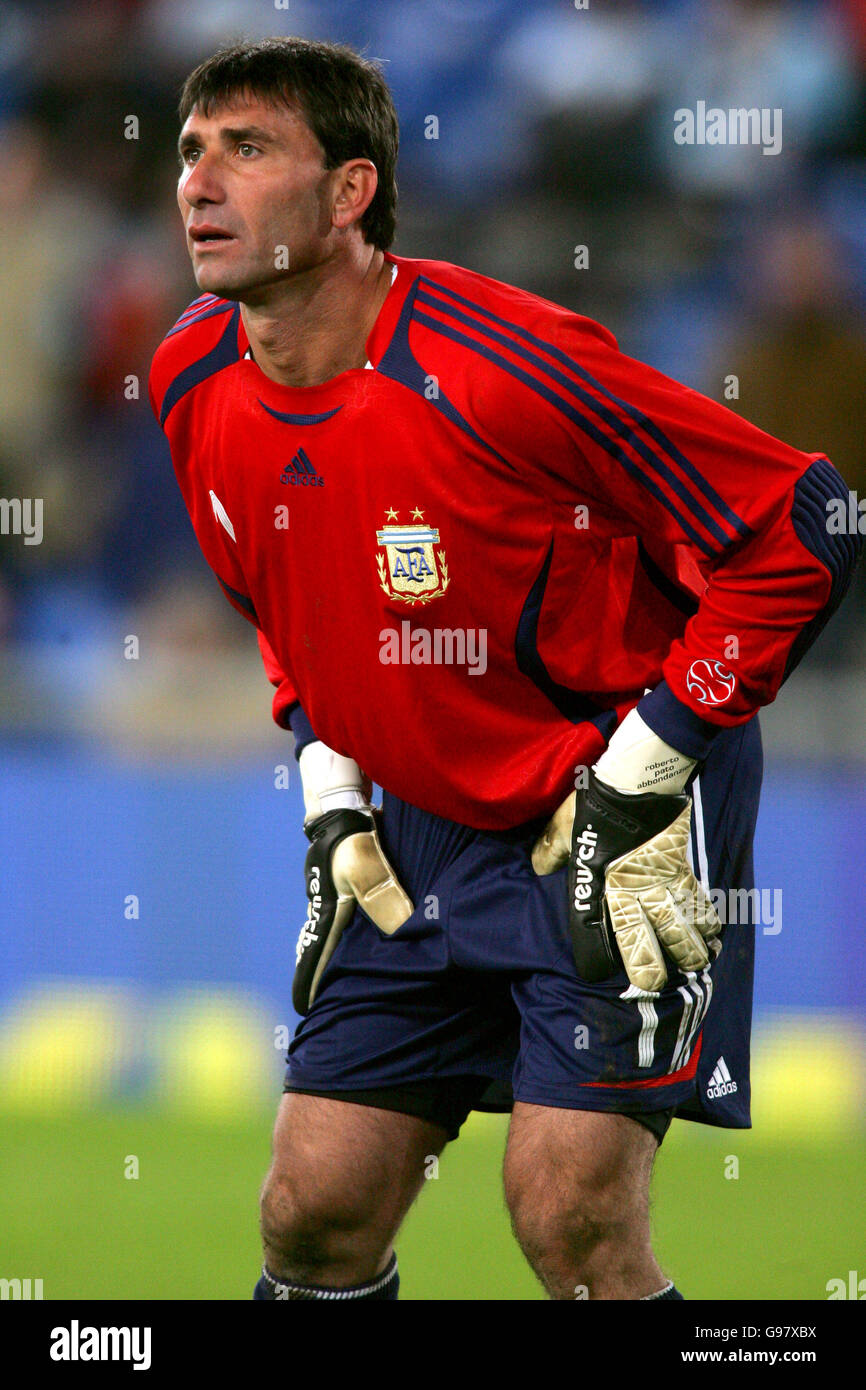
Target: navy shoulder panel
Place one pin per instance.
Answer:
(819, 486)
(223, 354)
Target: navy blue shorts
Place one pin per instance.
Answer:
(476, 1001)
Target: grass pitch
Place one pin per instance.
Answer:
(186, 1226)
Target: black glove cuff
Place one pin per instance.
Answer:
(336, 825)
(628, 819)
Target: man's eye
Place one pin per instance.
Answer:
(189, 156)
(245, 146)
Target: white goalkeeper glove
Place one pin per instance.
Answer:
(631, 889)
(344, 867)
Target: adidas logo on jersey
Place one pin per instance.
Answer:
(300, 472)
(720, 1081)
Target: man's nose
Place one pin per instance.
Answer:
(202, 184)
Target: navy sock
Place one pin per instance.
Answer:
(385, 1286)
(671, 1291)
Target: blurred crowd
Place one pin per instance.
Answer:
(555, 130)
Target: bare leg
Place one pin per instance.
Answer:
(341, 1180)
(577, 1187)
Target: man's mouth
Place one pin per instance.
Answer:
(209, 236)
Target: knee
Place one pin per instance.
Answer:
(572, 1211)
(575, 1214)
(310, 1228)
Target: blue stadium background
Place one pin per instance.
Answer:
(155, 777)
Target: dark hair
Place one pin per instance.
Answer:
(342, 97)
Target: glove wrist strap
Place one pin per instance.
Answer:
(637, 760)
(330, 781)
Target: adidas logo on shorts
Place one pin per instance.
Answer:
(720, 1081)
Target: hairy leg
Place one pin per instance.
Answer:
(577, 1187)
(341, 1180)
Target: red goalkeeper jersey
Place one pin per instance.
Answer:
(470, 559)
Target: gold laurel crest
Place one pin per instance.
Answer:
(413, 568)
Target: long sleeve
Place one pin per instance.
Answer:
(706, 492)
(285, 696)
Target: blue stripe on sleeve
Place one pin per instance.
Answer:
(700, 482)
(587, 425)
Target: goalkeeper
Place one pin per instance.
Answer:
(537, 593)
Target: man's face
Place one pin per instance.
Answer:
(253, 176)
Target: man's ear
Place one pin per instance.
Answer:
(354, 192)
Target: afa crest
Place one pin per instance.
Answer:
(413, 567)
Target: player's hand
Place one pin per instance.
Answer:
(345, 867)
(631, 891)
